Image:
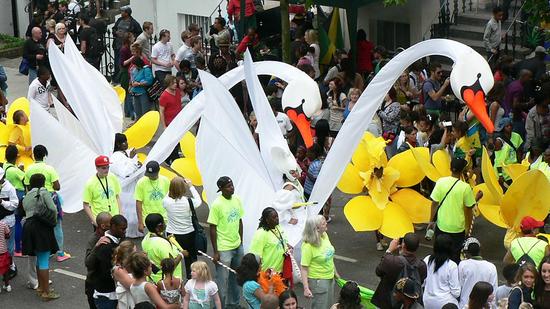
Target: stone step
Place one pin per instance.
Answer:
(472, 32)
(477, 45)
(479, 19)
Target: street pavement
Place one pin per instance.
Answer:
(356, 256)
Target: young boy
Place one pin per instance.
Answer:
(502, 292)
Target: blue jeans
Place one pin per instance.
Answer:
(230, 292)
(128, 106)
(102, 302)
(141, 105)
(33, 73)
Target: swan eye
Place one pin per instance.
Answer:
(303, 101)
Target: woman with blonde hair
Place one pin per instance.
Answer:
(318, 263)
(180, 202)
(58, 38)
(123, 278)
(200, 290)
(312, 38)
(353, 96)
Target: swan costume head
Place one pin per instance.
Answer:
(285, 162)
(301, 100)
(471, 79)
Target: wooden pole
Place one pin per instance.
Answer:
(285, 31)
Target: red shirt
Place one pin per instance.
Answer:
(234, 8)
(244, 43)
(171, 104)
(364, 56)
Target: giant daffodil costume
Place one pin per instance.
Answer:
(388, 206)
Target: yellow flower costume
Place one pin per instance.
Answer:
(390, 206)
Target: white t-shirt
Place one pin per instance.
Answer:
(210, 287)
(163, 52)
(179, 213)
(502, 292)
(284, 123)
(315, 62)
(442, 287)
(470, 272)
(40, 94)
(181, 51)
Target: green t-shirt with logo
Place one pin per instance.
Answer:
(270, 246)
(319, 260)
(225, 215)
(450, 217)
(15, 176)
(157, 249)
(95, 194)
(40, 167)
(151, 193)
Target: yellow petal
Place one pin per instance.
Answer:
(25, 160)
(121, 93)
(4, 133)
(188, 168)
(417, 206)
(488, 197)
(203, 194)
(360, 157)
(167, 173)
(491, 212)
(406, 164)
(490, 178)
(395, 222)
(19, 104)
(141, 132)
(362, 214)
(442, 162)
(187, 145)
(380, 189)
(515, 170)
(367, 136)
(141, 157)
(425, 165)
(527, 196)
(351, 182)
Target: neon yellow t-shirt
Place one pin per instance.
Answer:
(157, 249)
(94, 194)
(537, 247)
(40, 167)
(225, 215)
(15, 176)
(450, 217)
(151, 193)
(319, 260)
(270, 246)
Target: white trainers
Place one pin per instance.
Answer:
(32, 286)
(7, 288)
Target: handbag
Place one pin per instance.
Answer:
(43, 213)
(24, 66)
(155, 90)
(201, 243)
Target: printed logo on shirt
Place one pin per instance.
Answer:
(104, 196)
(44, 89)
(156, 195)
(233, 216)
(329, 254)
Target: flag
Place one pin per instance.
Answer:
(366, 294)
(330, 35)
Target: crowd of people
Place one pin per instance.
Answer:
(419, 111)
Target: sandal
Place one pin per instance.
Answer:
(51, 295)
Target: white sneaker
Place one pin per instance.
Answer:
(7, 288)
(32, 286)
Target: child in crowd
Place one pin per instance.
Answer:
(145, 293)
(200, 290)
(303, 162)
(502, 292)
(247, 277)
(5, 258)
(169, 286)
(462, 148)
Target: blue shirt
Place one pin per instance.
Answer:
(428, 86)
(249, 287)
(145, 75)
(314, 169)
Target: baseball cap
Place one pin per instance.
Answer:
(407, 287)
(529, 223)
(152, 169)
(102, 161)
(222, 182)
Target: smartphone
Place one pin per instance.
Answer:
(446, 124)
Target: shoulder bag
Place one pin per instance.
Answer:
(200, 236)
(443, 200)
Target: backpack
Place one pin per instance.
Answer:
(95, 48)
(525, 258)
(409, 271)
(423, 95)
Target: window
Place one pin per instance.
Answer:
(393, 35)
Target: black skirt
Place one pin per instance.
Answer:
(38, 237)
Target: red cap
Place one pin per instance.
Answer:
(102, 161)
(529, 223)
